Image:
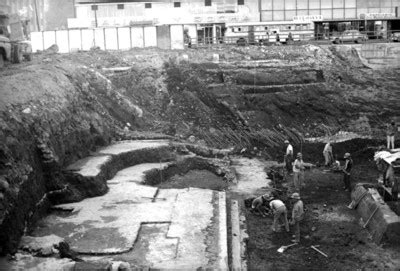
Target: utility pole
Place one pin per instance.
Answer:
(94, 8)
(37, 15)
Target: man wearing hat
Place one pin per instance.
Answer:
(346, 170)
(297, 216)
(288, 156)
(298, 172)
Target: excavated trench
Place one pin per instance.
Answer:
(244, 104)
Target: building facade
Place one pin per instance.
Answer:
(123, 13)
(42, 14)
(282, 10)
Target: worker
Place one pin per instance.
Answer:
(346, 170)
(328, 154)
(297, 216)
(390, 132)
(298, 172)
(280, 212)
(288, 157)
(258, 205)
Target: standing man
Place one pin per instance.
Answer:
(288, 156)
(297, 216)
(298, 172)
(280, 212)
(390, 132)
(346, 170)
(328, 154)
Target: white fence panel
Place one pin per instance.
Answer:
(99, 38)
(124, 38)
(75, 41)
(150, 36)
(137, 37)
(87, 39)
(62, 41)
(37, 41)
(111, 38)
(177, 37)
(49, 38)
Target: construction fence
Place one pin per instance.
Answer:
(111, 38)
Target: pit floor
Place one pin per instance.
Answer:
(329, 224)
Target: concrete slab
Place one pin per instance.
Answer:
(175, 226)
(89, 166)
(132, 145)
(251, 175)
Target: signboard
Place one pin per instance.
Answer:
(377, 16)
(307, 18)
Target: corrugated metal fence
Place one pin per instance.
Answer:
(112, 38)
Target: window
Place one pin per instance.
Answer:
(207, 3)
(177, 4)
(120, 6)
(147, 5)
(240, 2)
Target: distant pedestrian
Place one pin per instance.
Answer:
(297, 216)
(288, 156)
(298, 172)
(347, 170)
(280, 213)
(328, 155)
(390, 132)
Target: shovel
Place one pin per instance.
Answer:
(283, 248)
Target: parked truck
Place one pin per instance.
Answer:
(14, 39)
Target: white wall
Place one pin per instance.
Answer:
(112, 38)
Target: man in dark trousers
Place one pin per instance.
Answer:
(346, 170)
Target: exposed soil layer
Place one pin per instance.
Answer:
(196, 178)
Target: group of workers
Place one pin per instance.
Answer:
(296, 169)
(279, 210)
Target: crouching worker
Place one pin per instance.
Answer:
(280, 213)
(259, 205)
(297, 216)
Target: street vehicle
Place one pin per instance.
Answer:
(265, 32)
(350, 36)
(14, 43)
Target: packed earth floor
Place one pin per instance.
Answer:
(60, 109)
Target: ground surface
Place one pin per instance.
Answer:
(329, 224)
(58, 109)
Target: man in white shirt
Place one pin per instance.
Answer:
(328, 154)
(288, 156)
(280, 212)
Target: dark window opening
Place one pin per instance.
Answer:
(177, 4)
(147, 5)
(240, 2)
(207, 3)
(120, 6)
